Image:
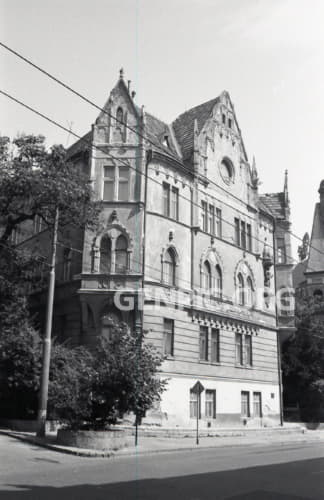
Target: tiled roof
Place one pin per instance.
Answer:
(80, 146)
(156, 130)
(298, 273)
(275, 203)
(316, 248)
(183, 126)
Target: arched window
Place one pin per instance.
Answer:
(119, 118)
(218, 281)
(226, 170)
(240, 289)
(105, 254)
(67, 256)
(206, 276)
(249, 292)
(121, 254)
(169, 268)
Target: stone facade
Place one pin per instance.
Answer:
(182, 220)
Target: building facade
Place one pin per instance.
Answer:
(184, 251)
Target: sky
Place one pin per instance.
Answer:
(268, 54)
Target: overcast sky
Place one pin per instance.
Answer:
(179, 53)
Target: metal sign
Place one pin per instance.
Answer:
(198, 388)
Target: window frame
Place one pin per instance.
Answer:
(168, 333)
(210, 404)
(245, 404)
(215, 340)
(203, 343)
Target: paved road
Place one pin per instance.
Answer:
(275, 472)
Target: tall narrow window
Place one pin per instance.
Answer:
(119, 131)
(249, 292)
(218, 223)
(67, 256)
(37, 224)
(281, 251)
(105, 255)
(169, 268)
(206, 276)
(218, 282)
(249, 237)
(203, 343)
(175, 203)
(109, 183)
(237, 231)
(248, 350)
(210, 403)
(240, 289)
(239, 348)
(243, 235)
(194, 405)
(214, 345)
(204, 216)
(123, 184)
(211, 221)
(245, 404)
(168, 336)
(166, 199)
(257, 404)
(121, 254)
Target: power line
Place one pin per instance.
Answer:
(89, 101)
(103, 149)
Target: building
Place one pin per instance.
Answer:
(278, 205)
(308, 274)
(184, 251)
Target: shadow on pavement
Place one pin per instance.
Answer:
(300, 480)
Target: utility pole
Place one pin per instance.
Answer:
(46, 355)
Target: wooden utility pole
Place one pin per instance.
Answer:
(46, 356)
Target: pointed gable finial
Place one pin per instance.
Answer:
(121, 73)
(286, 188)
(254, 174)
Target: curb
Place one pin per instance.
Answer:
(124, 452)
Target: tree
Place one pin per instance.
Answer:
(94, 390)
(303, 360)
(34, 182)
(126, 376)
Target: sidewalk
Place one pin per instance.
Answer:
(152, 445)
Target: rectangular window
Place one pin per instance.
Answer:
(214, 346)
(109, 183)
(168, 336)
(243, 235)
(166, 199)
(175, 203)
(245, 404)
(123, 184)
(194, 405)
(203, 343)
(249, 237)
(210, 403)
(204, 216)
(257, 405)
(37, 224)
(248, 350)
(238, 349)
(218, 223)
(211, 220)
(281, 251)
(237, 231)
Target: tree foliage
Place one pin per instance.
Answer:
(34, 181)
(303, 359)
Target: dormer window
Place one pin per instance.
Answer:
(165, 142)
